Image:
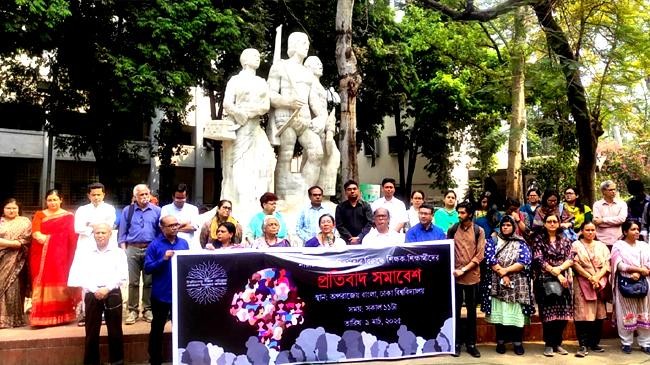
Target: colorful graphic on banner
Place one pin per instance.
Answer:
(293, 306)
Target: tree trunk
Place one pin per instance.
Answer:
(218, 169)
(587, 128)
(349, 83)
(518, 118)
(399, 136)
(412, 160)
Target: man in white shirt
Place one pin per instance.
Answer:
(95, 212)
(103, 271)
(609, 214)
(85, 219)
(186, 214)
(396, 207)
(307, 226)
(381, 234)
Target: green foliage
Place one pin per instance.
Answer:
(554, 172)
(459, 95)
(622, 164)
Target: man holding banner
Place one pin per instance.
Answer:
(157, 263)
(469, 247)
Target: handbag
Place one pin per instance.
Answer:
(604, 292)
(552, 286)
(631, 288)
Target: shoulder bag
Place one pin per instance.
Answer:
(630, 288)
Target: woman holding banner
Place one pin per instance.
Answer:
(327, 236)
(269, 238)
(507, 296)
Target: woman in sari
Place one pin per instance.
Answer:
(209, 229)
(552, 284)
(591, 266)
(14, 237)
(53, 247)
(225, 237)
(269, 238)
(631, 259)
(327, 236)
(507, 297)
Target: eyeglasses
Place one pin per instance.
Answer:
(226, 207)
(614, 189)
(174, 225)
(552, 221)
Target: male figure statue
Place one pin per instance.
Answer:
(250, 157)
(290, 84)
(321, 117)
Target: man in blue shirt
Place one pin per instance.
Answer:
(138, 227)
(307, 226)
(425, 230)
(157, 263)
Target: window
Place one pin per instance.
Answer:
(371, 148)
(393, 147)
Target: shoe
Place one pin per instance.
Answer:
(131, 318)
(501, 348)
(597, 348)
(582, 351)
(472, 350)
(548, 351)
(646, 350)
(148, 316)
(82, 322)
(456, 351)
(627, 349)
(519, 349)
(561, 351)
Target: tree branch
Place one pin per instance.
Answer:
(471, 13)
(494, 43)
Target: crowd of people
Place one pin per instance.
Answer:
(554, 255)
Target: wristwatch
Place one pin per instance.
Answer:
(463, 269)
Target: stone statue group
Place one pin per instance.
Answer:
(297, 106)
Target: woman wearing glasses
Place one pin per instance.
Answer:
(552, 283)
(209, 229)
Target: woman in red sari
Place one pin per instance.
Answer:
(53, 246)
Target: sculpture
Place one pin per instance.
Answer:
(290, 87)
(320, 116)
(249, 160)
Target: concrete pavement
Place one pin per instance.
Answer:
(533, 356)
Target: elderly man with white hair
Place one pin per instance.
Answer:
(102, 271)
(381, 234)
(609, 214)
(138, 227)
